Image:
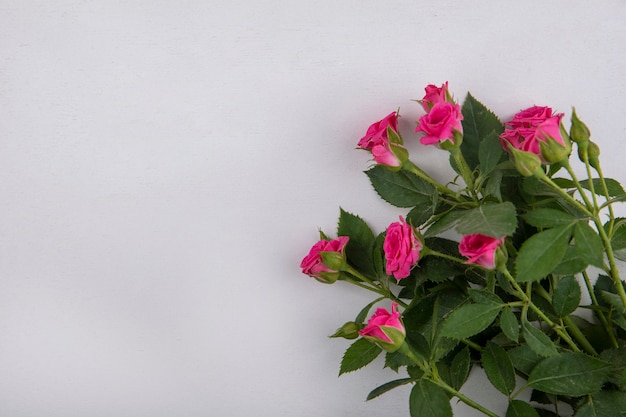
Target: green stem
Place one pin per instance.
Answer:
(436, 379)
(605, 190)
(357, 274)
(411, 167)
(377, 290)
(466, 172)
(592, 207)
(524, 297)
(473, 345)
(543, 177)
(463, 397)
(614, 271)
(603, 320)
(570, 324)
(386, 292)
(578, 335)
(611, 257)
(443, 255)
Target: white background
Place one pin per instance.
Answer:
(165, 165)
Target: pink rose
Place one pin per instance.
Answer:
(530, 117)
(376, 140)
(434, 95)
(480, 249)
(385, 328)
(313, 264)
(440, 123)
(530, 127)
(402, 249)
(550, 129)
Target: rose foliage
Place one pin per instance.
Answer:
(531, 292)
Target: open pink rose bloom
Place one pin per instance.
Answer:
(402, 249)
(440, 123)
(530, 127)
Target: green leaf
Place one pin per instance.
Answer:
(604, 404)
(460, 368)
(438, 269)
(376, 392)
(359, 354)
(518, 408)
(418, 318)
(444, 223)
(490, 152)
(362, 316)
(499, 368)
(395, 360)
(378, 256)
(618, 240)
(570, 263)
(540, 254)
(548, 218)
(614, 188)
(534, 186)
(428, 400)
(421, 213)
(566, 297)
(493, 184)
(614, 301)
(509, 324)
(617, 358)
(359, 248)
(469, 320)
(524, 358)
(484, 297)
(478, 123)
(588, 245)
(401, 188)
(538, 341)
(494, 220)
(571, 373)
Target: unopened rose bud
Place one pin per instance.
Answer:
(526, 163)
(502, 257)
(553, 151)
(579, 132)
(589, 152)
(593, 153)
(349, 331)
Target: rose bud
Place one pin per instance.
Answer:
(579, 132)
(349, 331)
(384, 141)
(480, 249)
(435, 95)
(526, 163)
(325, 259)
(385, 329)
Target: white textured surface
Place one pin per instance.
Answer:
(165, 165)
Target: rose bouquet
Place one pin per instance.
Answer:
(531, 292)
